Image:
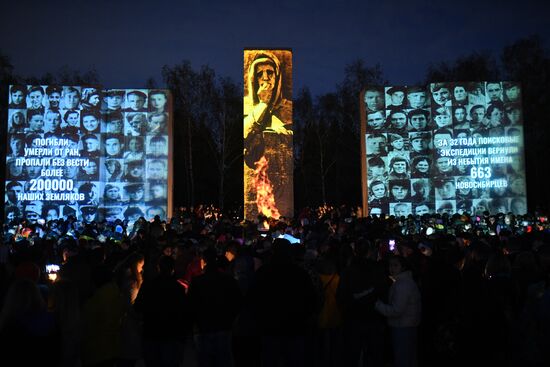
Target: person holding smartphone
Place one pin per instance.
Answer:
(403, 312)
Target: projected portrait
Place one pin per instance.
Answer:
(113, 145)
(91, 99)
(135, 124)
(71, 98)
(400, 209)
(112, 170)
(53, 94)
(459, 94)
(66, 144)
(395, 98)
(417, 97)
(374, 99)
(52, 124)
(268, 157)
(18, 94)
(35, 98)
(135, 148)
(418, 120)
(89, 172)
(462, 149)
(135, 193)
(112, 101)
(90, 122)
(158, 101)
(136, 101)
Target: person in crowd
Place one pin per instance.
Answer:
(403, 312)
(25, 321)
(129, 278)
(166, 317)
(213, 325)
(284, 300)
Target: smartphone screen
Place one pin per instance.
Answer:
(391, 244)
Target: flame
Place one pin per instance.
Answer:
(265, 200)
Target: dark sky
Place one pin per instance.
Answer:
(129, 41)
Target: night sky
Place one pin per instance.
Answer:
(129, 41)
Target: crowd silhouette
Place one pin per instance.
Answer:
(326, 288)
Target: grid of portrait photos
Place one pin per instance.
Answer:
(409, 127)
(114, 158)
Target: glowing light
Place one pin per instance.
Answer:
(265, 200)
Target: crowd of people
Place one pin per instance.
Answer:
(326, 288)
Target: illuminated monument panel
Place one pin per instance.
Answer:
(445, 148)
(91, 153)
(268, 155)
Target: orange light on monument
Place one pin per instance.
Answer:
(264, 190)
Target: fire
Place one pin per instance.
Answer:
(265, 200)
